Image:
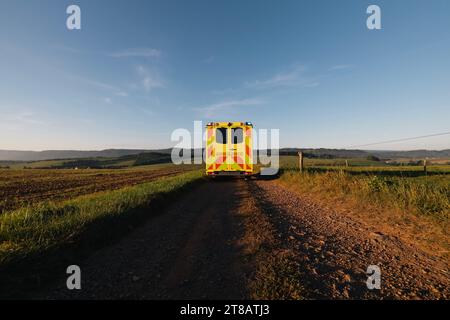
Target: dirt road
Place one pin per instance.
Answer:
(254, 239)
(189, 251)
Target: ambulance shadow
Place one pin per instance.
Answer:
(268, 174)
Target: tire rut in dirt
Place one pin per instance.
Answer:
(187, 252)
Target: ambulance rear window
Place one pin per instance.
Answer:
(221, 135)
(237, 135)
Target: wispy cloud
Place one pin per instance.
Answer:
(101, 85)
(226, 91)
(147, 112)
(137, 52)
(68, 49)
(19, 120)
(225, 106)
(27, 117)
(209, 60)
(149, 81)
(295, 77)
(340, 67)
(107, 100)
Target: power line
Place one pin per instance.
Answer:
(400, 140)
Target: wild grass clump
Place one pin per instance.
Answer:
(424, 196)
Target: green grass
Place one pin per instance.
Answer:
(145, 158)
(36, 164)
(291, 162)
(403, 187)
(36, 229)
(397, 198)
(423, 195)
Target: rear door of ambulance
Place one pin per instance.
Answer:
(236, 148)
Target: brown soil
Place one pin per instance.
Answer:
(24, 187)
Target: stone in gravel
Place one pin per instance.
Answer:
(136, 278)
(319, 242)
(345, 293)
(346, 278)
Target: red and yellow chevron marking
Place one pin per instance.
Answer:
(249, 148)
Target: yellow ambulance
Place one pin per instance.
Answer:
(229, 148)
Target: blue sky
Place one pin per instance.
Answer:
(137, 70)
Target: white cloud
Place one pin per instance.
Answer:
(225, 106)
(16, 121)
(100, 85)
(293, 78)
(148, 112)
(27, 117)
(107, 100)
(340, 67)
(137, 52)
(149, 81)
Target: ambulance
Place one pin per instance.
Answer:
(229, 149)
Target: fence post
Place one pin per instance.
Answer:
(425, 166)
(300, 161)
(346, 163)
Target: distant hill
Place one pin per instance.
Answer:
(415, 154)
(14, 155)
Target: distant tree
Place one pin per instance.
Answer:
(372, 158)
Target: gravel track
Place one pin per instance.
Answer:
(333, 251)
(195, 249)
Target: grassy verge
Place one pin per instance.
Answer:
(39, 238)
(416, 207)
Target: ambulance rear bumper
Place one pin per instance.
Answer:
(229, 173)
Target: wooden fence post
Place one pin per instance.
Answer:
(346, 163)
(300, 161)
(425, 166)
